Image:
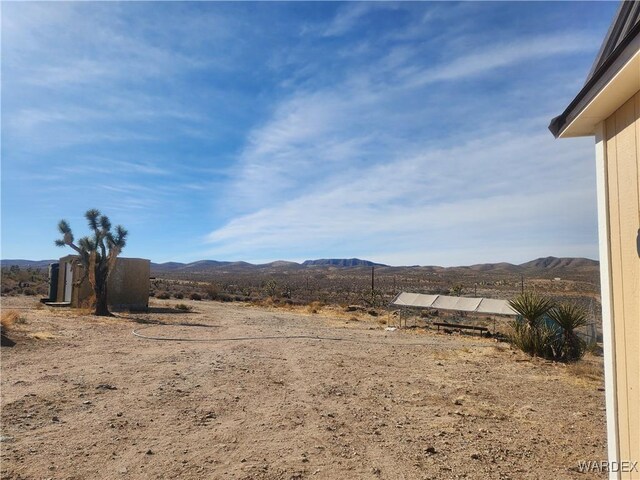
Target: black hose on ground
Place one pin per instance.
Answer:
(278, 337)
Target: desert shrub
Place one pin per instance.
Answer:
(212, 291)
(266, 302)
(195, 296)
(178, 295)
(271, 288)
(152, 293)
(9, 317)
(163, 295)
(222, 297)
(315, 307)
(29, 291)
(587, 370)
(540, 341)
(183, 307)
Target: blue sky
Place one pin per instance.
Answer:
(406, 133)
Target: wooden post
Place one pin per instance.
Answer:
(372, 280)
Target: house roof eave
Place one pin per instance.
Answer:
(605, 71)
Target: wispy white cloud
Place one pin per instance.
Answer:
(488, 187)
(357, 164)
(492, 57)
(348, 16)
(366, 119)
(106, 166)
(100, 80)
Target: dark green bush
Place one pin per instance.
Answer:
(547, 330)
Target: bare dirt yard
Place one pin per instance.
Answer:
(260, 396)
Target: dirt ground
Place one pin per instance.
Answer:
(83, 398)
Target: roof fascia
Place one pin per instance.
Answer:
(620, 57)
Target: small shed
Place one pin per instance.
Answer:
(128, 286)
(608, 108)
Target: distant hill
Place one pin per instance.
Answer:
(492, 267)
(280, 264)
(341, 262)
(213, 265)
(550, 263)
(38, 264)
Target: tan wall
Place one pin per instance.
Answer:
(622, 154)
(82, 295)
(78, 292)
(128, 284)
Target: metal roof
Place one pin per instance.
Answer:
(460, 304)
(617, 48)
(627, 17)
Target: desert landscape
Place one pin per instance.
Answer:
(188, 185)
(236, 390)
(344, 281)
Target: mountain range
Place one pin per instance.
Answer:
(547, 264)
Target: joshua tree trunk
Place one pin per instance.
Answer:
(102, 307)
(100, 284)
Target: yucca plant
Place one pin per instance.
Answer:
(532, 307)
(541, 341)
(532, 334)
(570, 317)
(97, 253)
(523, 337)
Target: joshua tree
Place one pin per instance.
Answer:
(98, 253)
(456, 290)
(532, 307)
(570, 317)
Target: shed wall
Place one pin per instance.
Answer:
(78, 292)
(128, 284)
(622, 154)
